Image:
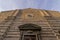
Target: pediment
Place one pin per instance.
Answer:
(29, 27)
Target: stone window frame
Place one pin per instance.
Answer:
(26, 32)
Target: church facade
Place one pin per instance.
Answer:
(30, 24)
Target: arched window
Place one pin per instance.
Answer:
(29, 32)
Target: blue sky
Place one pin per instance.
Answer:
(21, 4)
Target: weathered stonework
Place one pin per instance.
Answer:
(49, 21)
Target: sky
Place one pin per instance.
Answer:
(22, 4)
